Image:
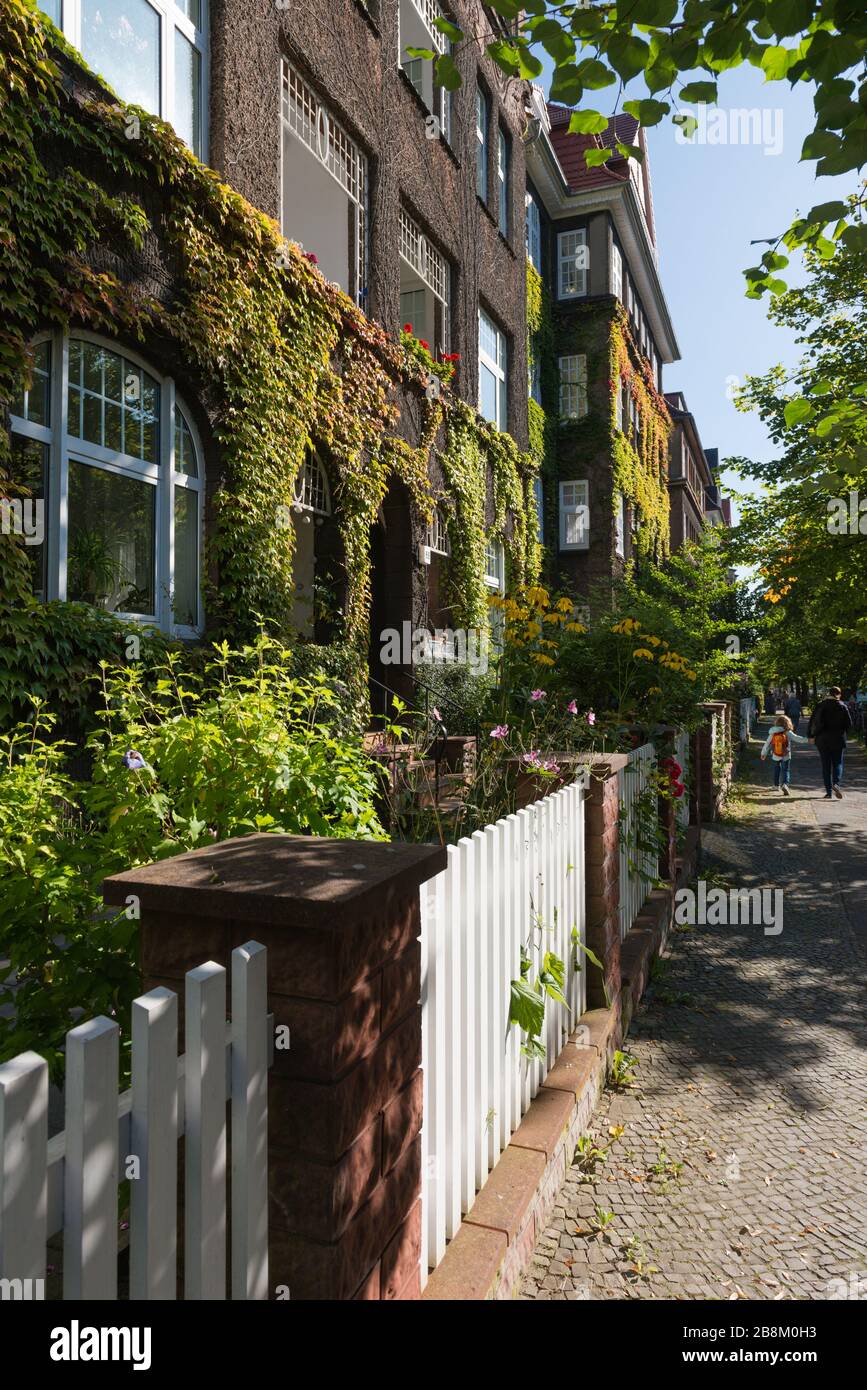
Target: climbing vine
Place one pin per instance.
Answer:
(281, 356)
(641, 474)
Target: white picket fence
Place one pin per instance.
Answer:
(681, 753)
(517, 883)
(638, 868)
(70, 1183)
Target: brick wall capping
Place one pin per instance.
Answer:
(711, 705)
(606, 764)
(279, 880)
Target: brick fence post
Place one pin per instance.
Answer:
(602, 868)
(340, 919)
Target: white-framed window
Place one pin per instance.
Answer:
(616, 272)
(533, 232)
(324, 187)
(635, 422)
(539, 499)
(572, 264)
(534, 373)
(312, 493)
(503, 157)
(573, 386)
(574, 515)
(483, 117)
(495, 564)
(618, 403)
(493, 398)
(619, 524)
(425, 286)
(438, 533)
(122, 482)
(153, 53)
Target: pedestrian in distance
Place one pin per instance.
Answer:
(792, 708)
(779, 744)
(829, 724)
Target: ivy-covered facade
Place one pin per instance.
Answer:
(186, 393)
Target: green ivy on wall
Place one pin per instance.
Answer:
(641, 475)
(282, 356)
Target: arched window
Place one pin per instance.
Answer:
(312, 505)
(110, 453)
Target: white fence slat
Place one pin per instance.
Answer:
(469, 1079)
(91, 1162)
(23, 1151)
(483, 1004)
(494, 927)
(515, 921)
(205, 1130)
(526, 890)
(154, 1143)
(428, 1124)
(454, 1030)
(249, 1123)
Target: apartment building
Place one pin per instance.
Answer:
(591, 236)
(693, 477)
(409, 197)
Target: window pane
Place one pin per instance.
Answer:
(192, 9)
(188, 92)
(52, 9)
(121, 40)
(185, 452)
(487, 393)
(27, 514)
(111, 540)
(34, 404)
(186, 599)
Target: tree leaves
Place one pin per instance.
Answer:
(588, 122)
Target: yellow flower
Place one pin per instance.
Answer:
(538, 596)
(647, 637)
(553, 618)
(542, 660)
(496, 601)
(552, 646)
(690, 675)
(655, 690)
(575, 627)
(643, 653)
(533, 629)
(565, 605)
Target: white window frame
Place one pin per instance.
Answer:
(495, 564)
(575, 514)
(310, 120)
(616, 272)
(533, 232)
(483, 135)
(438, 533)
(618, 403)
(163, 476)
(430, 265)
(503, 158)
(620, 525)
(312, 493)
(171, 17)
(571, 278)
(574, 401)
(539, 499)
(498, 368)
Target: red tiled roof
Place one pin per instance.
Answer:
(569, 148)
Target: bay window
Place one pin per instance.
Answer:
(109, 450)
(417, 29)
(493, 401)
(153, 53)
(324, 187)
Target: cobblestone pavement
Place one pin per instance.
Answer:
(752, 1074)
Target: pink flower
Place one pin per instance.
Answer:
(531, 759)
(551, 766)
(437, 716)
(572, 707)
(591, 718)
(501, 731)
(537, 694)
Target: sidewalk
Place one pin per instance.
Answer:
(752, 1074)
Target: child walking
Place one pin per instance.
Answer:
(779, 745)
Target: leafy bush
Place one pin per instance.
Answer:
(180, 761)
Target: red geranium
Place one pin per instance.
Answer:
(407, 328)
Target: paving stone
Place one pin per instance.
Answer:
(756, 1086)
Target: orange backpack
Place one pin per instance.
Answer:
(780, 743)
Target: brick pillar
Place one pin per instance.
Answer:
(668, 851)
(340, 919)
(695, 778)
(602, 867)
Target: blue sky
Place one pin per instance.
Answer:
(710, 201)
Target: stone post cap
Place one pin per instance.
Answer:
(280, 880)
